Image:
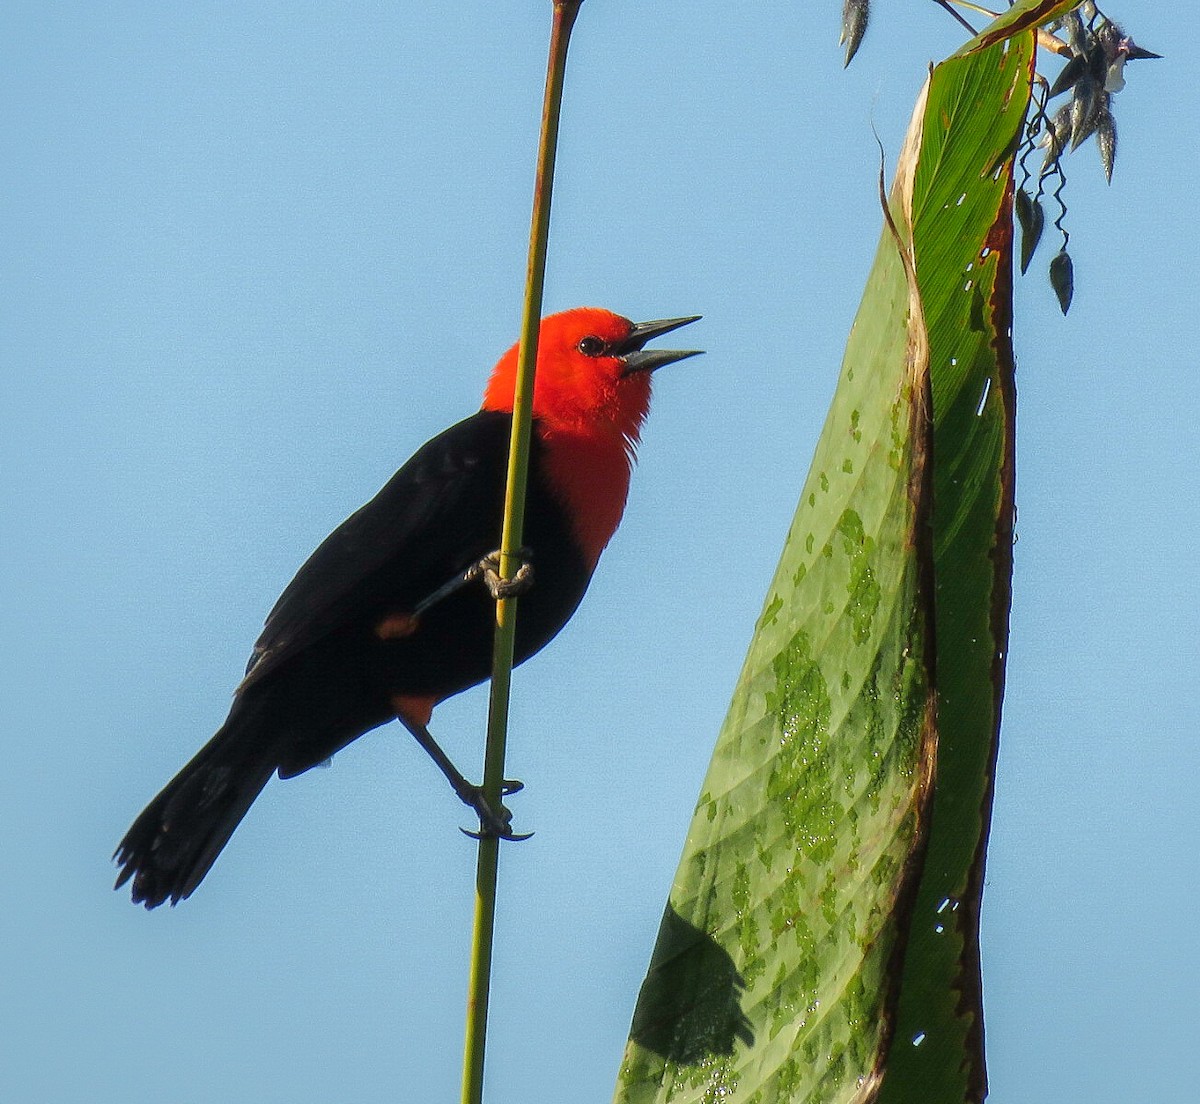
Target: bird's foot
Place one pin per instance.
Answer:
(493, 823)
(489, 570)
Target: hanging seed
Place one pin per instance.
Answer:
(1032, 220)
(1062, 279)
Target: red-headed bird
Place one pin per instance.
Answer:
(395, 611)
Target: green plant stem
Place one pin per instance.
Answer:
(514, 520)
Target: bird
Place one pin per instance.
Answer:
(395, 610)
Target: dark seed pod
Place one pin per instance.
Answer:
(1108, 36)
(1106, 140)
(1073, 27)
(1055, 136)
(1086, 102)
(855, 14)
(1071, 72)
(1097, 63)
(1062, 279)
(1031, 219)
(1136, 53)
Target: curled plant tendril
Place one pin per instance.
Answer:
(1097, 52)
(1094, 72)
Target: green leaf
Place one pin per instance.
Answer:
(825, 910)
(937, 1055)
(802, 835)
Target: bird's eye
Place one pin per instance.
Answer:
(591, 346)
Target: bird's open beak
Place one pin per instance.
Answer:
(637, 359)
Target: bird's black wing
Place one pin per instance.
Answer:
(436, 516)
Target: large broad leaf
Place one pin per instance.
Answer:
(821, 938)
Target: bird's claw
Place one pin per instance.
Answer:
(494, 824)
(484, 833)
(498, 587)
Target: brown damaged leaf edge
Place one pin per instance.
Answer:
(920, 490)
(970, 978)
(1017, 19)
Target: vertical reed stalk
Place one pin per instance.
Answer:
(514, 519)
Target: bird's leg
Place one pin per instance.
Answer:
(489, 570)
(492, 822)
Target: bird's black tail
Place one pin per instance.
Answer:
(179, 835)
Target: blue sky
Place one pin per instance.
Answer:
(253, 255)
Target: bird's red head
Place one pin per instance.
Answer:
(593, 374)
(591, 394)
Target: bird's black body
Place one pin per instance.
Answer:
(328, 668)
